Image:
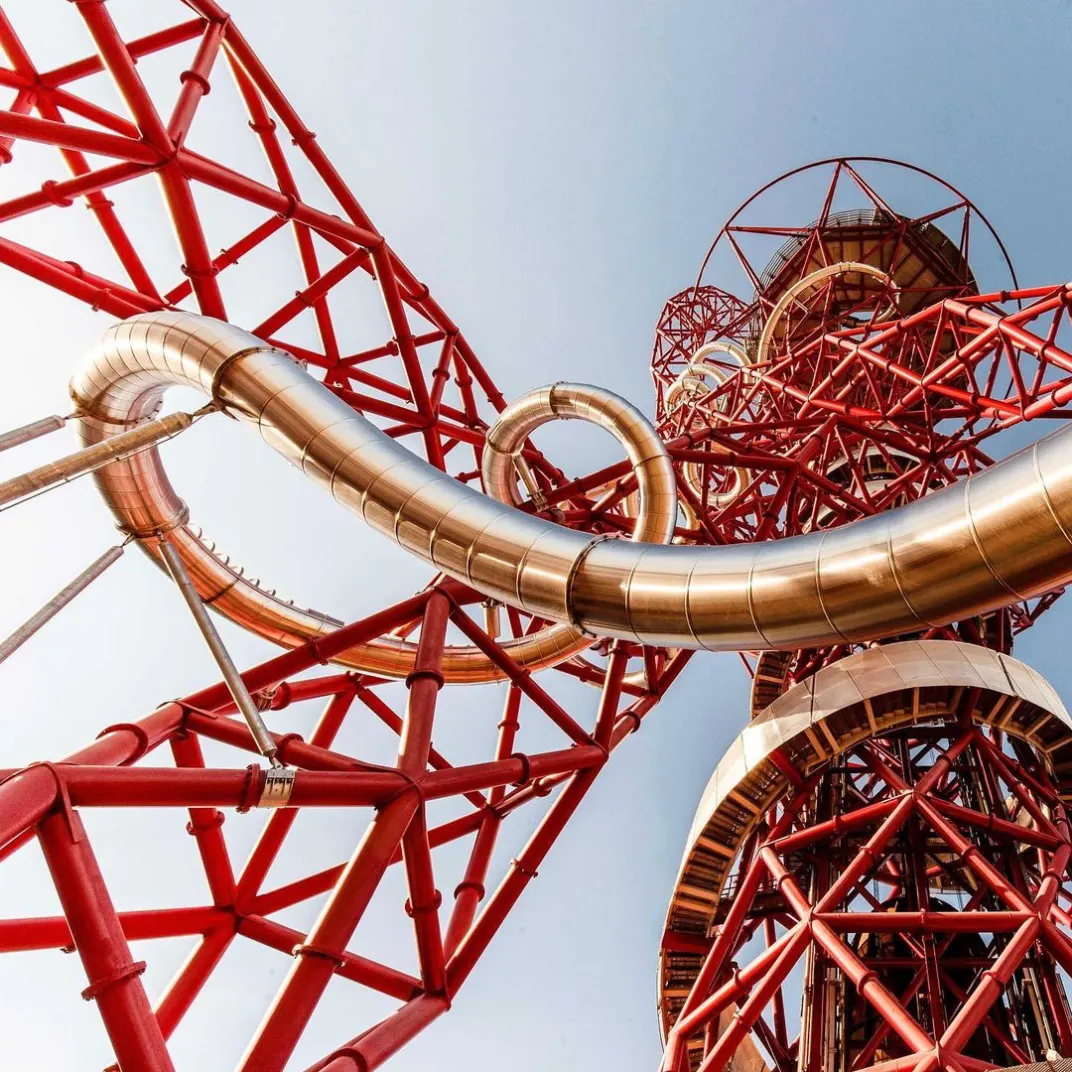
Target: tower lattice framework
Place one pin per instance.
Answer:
(877, 875)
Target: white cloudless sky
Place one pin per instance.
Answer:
(553, 171)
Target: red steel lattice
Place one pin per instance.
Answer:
(922, 390)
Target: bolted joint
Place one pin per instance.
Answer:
(199, 273)
(526, 768)
(278, 785)
(322, 952)
(477, 887)
(198, 79)
(350, 1054)
(140, 736)
(49, 189)
(522, 869)
(106, 982)
(422, 910)
(292, 201)
(421, 673)
(193, 829)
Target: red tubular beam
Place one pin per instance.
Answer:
(275, 830)
(357, 969)
(384, 713)
(206, 826)
(310, 886)
(114, 977)
(993, 825)
(521, 678)
(877, 995)
(231, 255)
(508, 727)
(470, 891)
(195, 82)
(266, 675)
(738, 984)
(423, 685)
(743, 1019)
(141, 46)
(311, 295)
(728, 937)
(840, 824)
(292, 749)
(163, 787)
(26, 796)
(522, 871)
(191, 977)
(307, 980)
(974, 859)
(222, 178)
(924, 922)
(371, 1049)
(865, 858)
(517, 770)
(84, 184)
(81, 139)
(52, 932)
(993, 981)
(66, 280)
(424, 902)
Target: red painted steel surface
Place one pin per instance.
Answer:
(804, 427)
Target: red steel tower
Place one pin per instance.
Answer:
(877, 874)
(856, 891)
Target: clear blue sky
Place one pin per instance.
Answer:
(554, 171)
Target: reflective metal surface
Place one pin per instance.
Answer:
(656, 482)
(865, 695)
(998, 536)
(792, 295)
(120, 387)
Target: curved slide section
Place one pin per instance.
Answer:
(999, 536)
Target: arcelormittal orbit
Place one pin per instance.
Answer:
(877, 875)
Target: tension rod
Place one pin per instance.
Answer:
(115, 449)
(59, 601)
(17, 436)
(235, 684)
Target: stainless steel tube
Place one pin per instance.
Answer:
(17, 436)
(59, 601)
(502, 463)
(996, 537)
(235, 685)
(92, 458)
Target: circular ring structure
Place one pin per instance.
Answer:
(851, 162)
(691, 382)
(866, 695)
(594, 405)
(801, 285)
(145, 504)
(657, 492)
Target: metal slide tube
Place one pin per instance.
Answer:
(998, 536)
